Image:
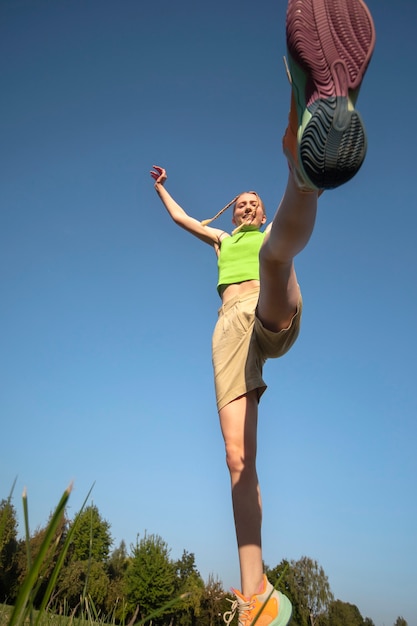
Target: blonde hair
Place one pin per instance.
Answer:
(233, 202)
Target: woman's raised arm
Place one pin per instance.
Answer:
(207, 234)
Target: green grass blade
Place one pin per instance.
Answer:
(28, 604)
(23, 598)
(27, 531)
(61, 559)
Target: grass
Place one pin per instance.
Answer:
(48, 618)
(23, 608)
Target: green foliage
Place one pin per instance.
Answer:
(162, 590)
(85, 574)
(8, 551)
(311, 588)
(81, 579)
(150, 577)
(190, 587)
(117, 567)
(23, 605)
(306, 585)
(186, 567)
(343, 614)
(33, 546)
(145, 585)
(214, 603)
(286, 584)
(118, 562)
(277, 578)
(91, 537)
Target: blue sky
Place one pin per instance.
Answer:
(108, 308)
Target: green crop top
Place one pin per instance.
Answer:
(239, 257)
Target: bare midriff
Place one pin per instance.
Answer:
(237, 289)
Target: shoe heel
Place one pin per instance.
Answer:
(333, 145)
(284, 611)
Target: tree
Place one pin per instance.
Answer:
(278, 576)
(186, 566)
(306, 585)
(118, 561)
(8, 551)
(85, 572)
(91, 538)
(117, 567)
(214, 602)
(342, 614)
(190, 588)
(311, 586)
(400, 621)
(84, 579)
(150, 577)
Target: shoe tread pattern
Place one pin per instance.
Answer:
(332, 41)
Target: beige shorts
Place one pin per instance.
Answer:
(241, 346)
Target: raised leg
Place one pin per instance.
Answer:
(290, 232)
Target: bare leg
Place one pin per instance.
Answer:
(290, 232)
(238, 421)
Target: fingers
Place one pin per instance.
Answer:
(159, 174)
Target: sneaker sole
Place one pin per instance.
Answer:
(330, 44)
(284, 611)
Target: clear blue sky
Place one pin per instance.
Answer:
(107, 308)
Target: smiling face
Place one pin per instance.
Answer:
(249, 209)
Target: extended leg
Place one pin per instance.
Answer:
(238, 421)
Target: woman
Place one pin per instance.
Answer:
(260, 315)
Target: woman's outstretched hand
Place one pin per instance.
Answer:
(159, 175)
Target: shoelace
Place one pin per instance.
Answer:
(244, 609)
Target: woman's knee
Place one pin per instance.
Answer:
(239, 424)
(240, 459)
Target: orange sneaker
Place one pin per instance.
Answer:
(268, 608)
